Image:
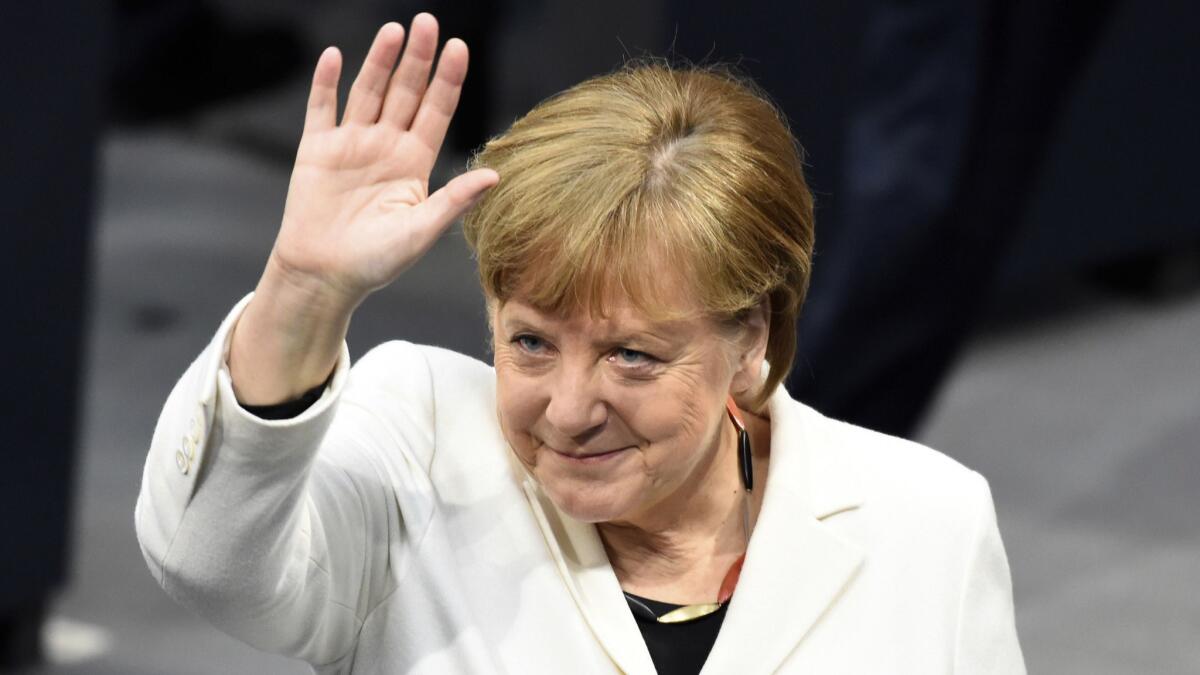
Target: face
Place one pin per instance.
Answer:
(615, 416)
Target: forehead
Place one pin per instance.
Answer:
(648, 290)
(585, 272)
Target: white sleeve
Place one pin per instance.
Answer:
(987, 632)
(283, 533)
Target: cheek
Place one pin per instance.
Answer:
(673, 416)
(696, 405)
(518, 406)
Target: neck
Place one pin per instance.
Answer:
(679, 550)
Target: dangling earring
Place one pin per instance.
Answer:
(745, 459)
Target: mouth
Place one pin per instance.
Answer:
(592, 458)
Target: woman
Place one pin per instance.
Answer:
(628, 488)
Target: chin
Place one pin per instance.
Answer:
(588, 503)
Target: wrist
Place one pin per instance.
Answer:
(288, 339)
(304, 295)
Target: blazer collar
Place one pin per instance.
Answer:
(795, 567)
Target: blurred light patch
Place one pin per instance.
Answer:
(68, 642)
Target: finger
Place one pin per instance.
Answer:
(322, 98)
(455, 197)
(433, 117)
(412, 75)
(367, 92)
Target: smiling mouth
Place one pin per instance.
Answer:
(593, 458)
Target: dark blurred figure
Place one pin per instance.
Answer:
(478, 24)
(172, 57)
(53, 80)
(942, 154)
(175, 57)
(954, 107)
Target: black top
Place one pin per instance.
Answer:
(287, 409)
(675, 648)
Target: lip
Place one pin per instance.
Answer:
(594, 458)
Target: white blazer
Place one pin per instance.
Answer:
(387, 529)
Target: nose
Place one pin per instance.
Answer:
(576, 408)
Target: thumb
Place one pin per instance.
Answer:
(442, 207)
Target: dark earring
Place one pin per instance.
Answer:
(745, 459)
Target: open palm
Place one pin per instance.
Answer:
(358, 207)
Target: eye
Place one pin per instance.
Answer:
(530, 343)
(631, 357)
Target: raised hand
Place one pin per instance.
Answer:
(358, 209)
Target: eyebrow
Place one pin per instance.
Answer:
(517, 324)
(632, 336)
(514, 325)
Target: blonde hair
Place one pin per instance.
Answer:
(645, 169)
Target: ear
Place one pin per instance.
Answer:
(751, 351)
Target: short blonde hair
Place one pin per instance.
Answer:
(648, 168)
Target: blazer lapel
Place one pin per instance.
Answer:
(784, 589)
(796, 567)
(583, 564)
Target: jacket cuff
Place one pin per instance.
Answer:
(238, 422)
(202, 416)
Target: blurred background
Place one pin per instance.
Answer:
(1008, 269)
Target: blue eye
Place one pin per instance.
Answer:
(632, 357)
(529, 343)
